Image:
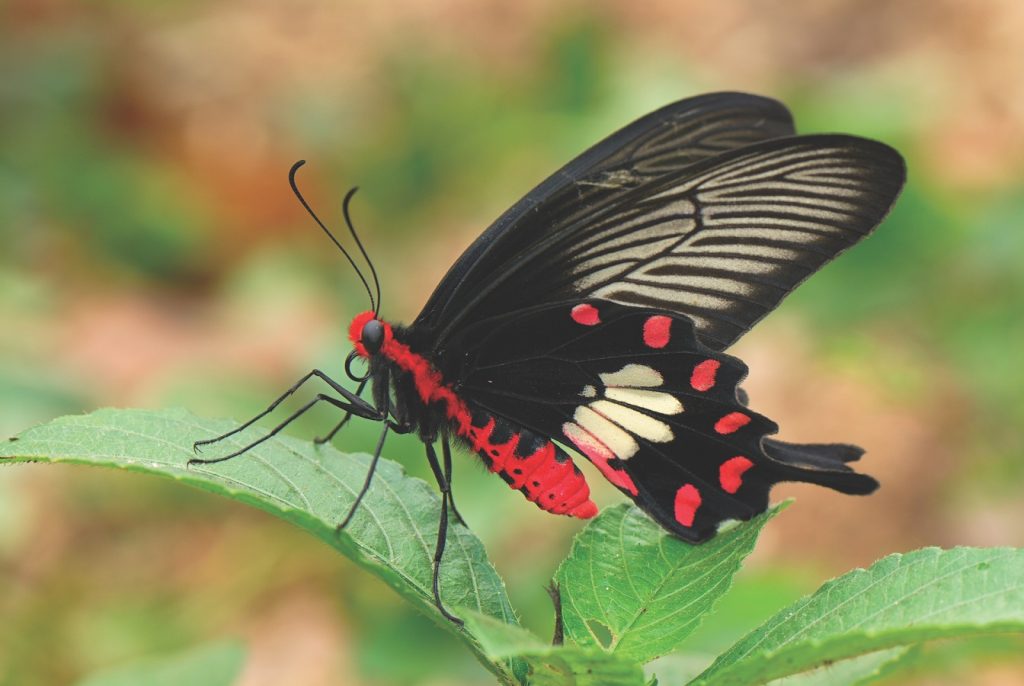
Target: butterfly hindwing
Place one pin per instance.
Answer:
(653, 409)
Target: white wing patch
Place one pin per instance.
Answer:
(617, 440)
(663, 403)
(633, 376)
(613, 420)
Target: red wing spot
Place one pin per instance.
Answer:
(657, 331)
(703, 377)
(731, 422)
(730, 474)
(586, 314)
(687, 501)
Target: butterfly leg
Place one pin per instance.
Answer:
(360, 406)
(344, 420)
(444, 476)
(446, 448)
(442, 532)
(364, 410)
(384, 412)
(366, 484)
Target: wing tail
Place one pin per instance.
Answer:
(820, 463)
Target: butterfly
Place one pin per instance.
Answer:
(593, 317)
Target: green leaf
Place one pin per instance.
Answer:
(551, 665)
(217, 664)
(677, 668)
(900, 600)
(681, 668)
(630, 587)
(858, 670)
(392, 534)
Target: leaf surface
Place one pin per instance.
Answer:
(900, 600)
(392, 534)
(862, 669)
(630, 587)
(552, 665)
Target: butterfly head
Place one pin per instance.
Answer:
(368, 334)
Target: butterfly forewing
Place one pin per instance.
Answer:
(722, 240)
(596, 183)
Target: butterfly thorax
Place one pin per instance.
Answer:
(425, 402)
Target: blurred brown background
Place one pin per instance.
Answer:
(152, 255)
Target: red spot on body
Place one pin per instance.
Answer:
(584, 511)
(429, 384)
(519, 469)
(355, 331)
(731, 422)
(586, 314)
(575, 501)
(657, 331)
(730, 474)
(561, 488)
(687, 501)
(553, 484)
(703, 377)
(480, 438)
(545, 478)
(501, 454)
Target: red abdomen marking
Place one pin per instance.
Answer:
(533, 464)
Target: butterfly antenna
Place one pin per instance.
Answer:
(295, 190)
(355, 236)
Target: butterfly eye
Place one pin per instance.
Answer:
(372, 336)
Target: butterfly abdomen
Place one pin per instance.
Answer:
(527, 461)
(534, 465)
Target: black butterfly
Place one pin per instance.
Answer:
(593, 315)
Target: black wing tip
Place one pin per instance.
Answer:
(731, 98)
(772, 109)
(826, 454)
(886, 157)
(847, 452)
(822, 464)
(851, 483)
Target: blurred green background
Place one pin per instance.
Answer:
(151, 254)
